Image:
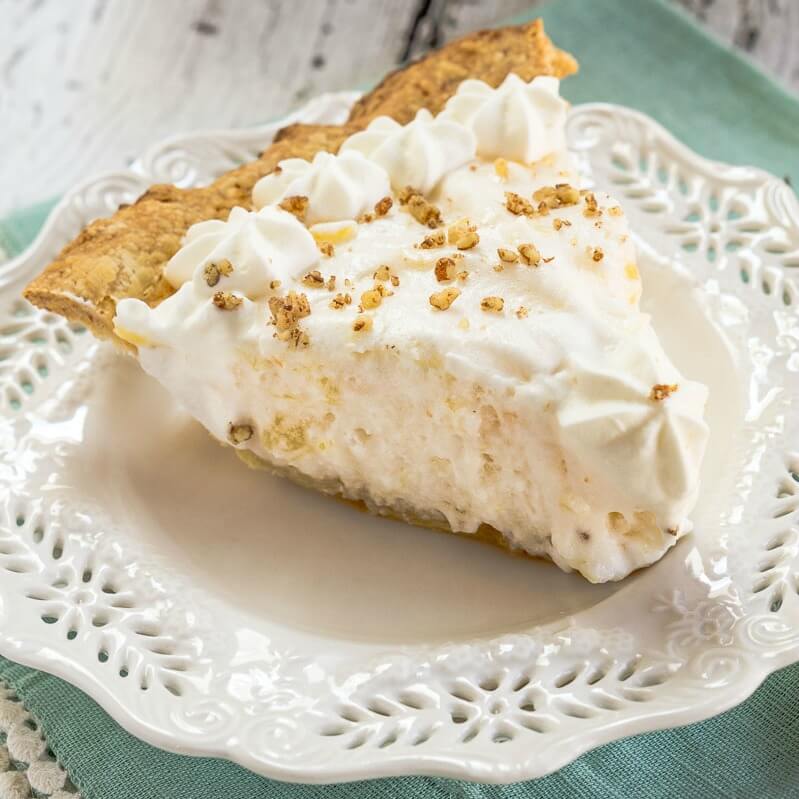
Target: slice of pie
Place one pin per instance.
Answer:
(435, 320)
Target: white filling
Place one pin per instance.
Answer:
(538, 422)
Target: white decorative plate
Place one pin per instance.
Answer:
(216, 611)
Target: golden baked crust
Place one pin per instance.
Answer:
(124, 255)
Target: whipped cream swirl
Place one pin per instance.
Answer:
(337, 186)
(262, 246)
(518, 121)
(418, 154)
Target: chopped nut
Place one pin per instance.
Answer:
(456, 230)
(443, 299)
(383, 272)
(463, 275)
(395, 281)
(339, 301)
(362, 324)
(314, 279)
(498, 268)
(382, 290)
(298, 338)
(529, 254)
(405, 194)
(424, 212)
(215, 270)
(445, 269)
(558, 223)
(239, 433)
(371, 299)
(597, 254)
(556, 196)
(521, 312)
(468, 240)
(226, 301)
(326, 248)
(591, 208)
(382, 207)
(274, 284)
(297, 204)
(420, 209)
(661, 391)
(331, 283)
(509, 256)
(516, 204)
(501, 168)
(366, 218)
(287, 311)
(436, 239)
(615, 210)
(492, 304)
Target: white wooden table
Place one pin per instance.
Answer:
(86, 85)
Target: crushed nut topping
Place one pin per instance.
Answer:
(383, 272)
(274, 284)
(420, 209)
(339, 301)
(591, 207)
(216, 270)
(331, 283)
(463, 234)
(371, 299)
(443, 299)
(382, 207)
(556, 196)
(597, 254)
(492, 304)
(521, 312)
(516, 204)
(395, 281)
(509, 256)
(463, 275)
(297, 204)
(445, 269)
(226, 301)
(529, 254)
(661, 391)
(382, 290)
(286, 314)
(615, 210)
(239, 433)
(558, 223)
(498, 267)
(366, 218)
(362, 324)
(326, 248)
(501, 168)
(314, 279)
(437, 239)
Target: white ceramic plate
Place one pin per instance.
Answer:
(216, 611)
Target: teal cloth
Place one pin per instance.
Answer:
(643, 54)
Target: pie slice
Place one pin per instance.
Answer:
(435, 320)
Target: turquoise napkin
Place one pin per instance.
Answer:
(644, 54)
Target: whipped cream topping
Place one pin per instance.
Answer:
(337, 186)
(418, 154)
(535, 397)
(519, 121)
(265, 246)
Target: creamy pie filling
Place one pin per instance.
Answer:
(439, 322)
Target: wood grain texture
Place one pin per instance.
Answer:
(86, 85)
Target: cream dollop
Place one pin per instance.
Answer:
(337, 186)
(418, 154)
(612, 424)
(262, 246)
(518, 121)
